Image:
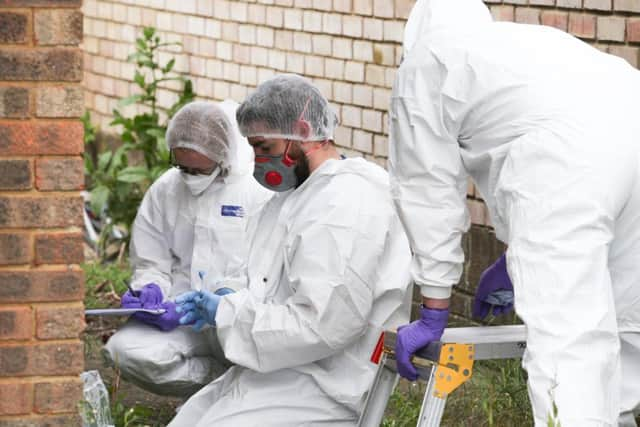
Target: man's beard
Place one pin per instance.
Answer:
(302, 170)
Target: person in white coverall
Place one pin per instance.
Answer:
(191, 232)
(328, 272)
(548, 129)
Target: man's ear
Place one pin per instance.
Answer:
(302, 129)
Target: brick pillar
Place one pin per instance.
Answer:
(41, 173)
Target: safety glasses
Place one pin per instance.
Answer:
(188, 170)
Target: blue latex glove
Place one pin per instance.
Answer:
(416, 335)
(494, 290)
(150, 296)
(198, 307)
(167, 321)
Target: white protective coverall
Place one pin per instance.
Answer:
(547, 127)
(182, 242)
(328, 271)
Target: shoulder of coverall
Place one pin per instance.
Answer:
(356, 179)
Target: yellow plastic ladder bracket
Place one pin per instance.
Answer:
(454, 368)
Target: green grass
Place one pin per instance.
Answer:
(496, 395)
(105, 283)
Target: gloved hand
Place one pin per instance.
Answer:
(224, 291)
(199, 307)
(167, 321)
(150, 296)
(494, 290)
(416, 335)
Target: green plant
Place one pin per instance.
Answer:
(117, 183)
(104, 283)
(404, 406)
(496, 395)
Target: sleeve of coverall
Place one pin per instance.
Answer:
(150, 256)
(330, 274)
(428, 181)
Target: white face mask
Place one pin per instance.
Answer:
(198, 183)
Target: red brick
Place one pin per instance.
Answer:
(58, 396)
(16, 398)
(14, 27)
(16, 175)
(33, 286)
(42, 137)
(14, 102)
(15, 248)
(633, 30)
(59, 322)
(59, 174)
(44, 212)
(583, 26)
(53, 64)
(41, 359)
(555, 19)
(16, 323)
(527, 16)
(59, 248)
(58, 26)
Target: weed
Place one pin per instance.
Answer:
(105, 283)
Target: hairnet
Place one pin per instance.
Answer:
(279, 108)
(203, 127)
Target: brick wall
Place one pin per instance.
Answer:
(41, 173)
(350, 48)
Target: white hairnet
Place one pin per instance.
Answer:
(432, 15)
(279, 108)
(203, 127)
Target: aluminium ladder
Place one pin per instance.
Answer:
(449, 363)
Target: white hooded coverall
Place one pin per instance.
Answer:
(548, 129)
(328, 271)
(182, 242)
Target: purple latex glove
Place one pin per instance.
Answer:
(416, 335)
(150, 296)
(494, 281)
(166, 321)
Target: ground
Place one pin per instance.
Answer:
(146, 409)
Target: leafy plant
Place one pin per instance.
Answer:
(496, 395)
(120, 177)
(104, 284)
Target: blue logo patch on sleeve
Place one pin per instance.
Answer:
(228, 210)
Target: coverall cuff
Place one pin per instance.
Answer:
(438, 292)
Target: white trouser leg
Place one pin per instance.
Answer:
(624, 263)
(175, 363)
(560, 198)
(283, 398)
